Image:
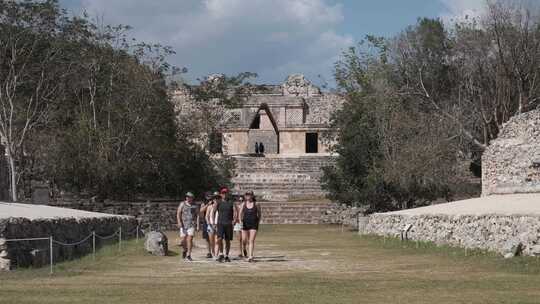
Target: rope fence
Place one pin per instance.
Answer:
(93, 235)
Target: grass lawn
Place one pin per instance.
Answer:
(321, 265)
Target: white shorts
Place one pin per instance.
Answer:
(237, 227)
(189, 231)
(211, 229)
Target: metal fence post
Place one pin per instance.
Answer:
(94, 245)
(51, 253)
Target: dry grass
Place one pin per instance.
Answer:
(321, 265)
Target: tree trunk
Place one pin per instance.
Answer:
(12, 174)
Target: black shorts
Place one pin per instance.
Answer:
(250, 226)
(205, 231)
(225, 231)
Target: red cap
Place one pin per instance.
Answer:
(224, 190)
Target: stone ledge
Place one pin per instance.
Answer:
(491, 232)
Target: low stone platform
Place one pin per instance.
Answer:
(497, 223)
(281, 178)
(306, 212)
(22, 221)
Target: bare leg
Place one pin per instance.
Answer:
(183, 243)
(211, 239)
(252, 236)
(240, 241)
(245, 238)
(216, 245)
(189, 242)
(220, 245)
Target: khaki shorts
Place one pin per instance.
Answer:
(189, 231)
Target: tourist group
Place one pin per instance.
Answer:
(219, 217)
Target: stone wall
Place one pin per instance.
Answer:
(294, 212)
(342, 214)
(157, 215)
(499, 233)
(511, 163)
(66, 230)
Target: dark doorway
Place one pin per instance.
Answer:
(312, 143)
(215, 143)
(256, 123)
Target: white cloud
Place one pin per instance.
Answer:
(272, 38)
(462, 10)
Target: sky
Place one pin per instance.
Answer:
(273, 38)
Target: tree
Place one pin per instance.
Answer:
(87, 109)
(31, 71)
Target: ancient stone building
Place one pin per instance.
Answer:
(511, 163)
(291, 120)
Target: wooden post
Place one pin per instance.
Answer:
(51, 253)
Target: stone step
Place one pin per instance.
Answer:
(293, 212)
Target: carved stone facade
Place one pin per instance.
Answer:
(291, 120)
(511, 163)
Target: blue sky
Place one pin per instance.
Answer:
(272, 38)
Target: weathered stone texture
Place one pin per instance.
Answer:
(511, 164)
(65, 230)
(156, 243)
(499, 233)
(282, 178)
(156, 215)
(294, 212)
(162, 215)
(343, 214)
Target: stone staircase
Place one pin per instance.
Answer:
(294, 212)
(281, 178)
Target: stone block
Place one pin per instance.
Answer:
(156, 243)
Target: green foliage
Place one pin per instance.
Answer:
(393, 151)
(109, 127)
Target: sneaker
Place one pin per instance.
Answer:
(250, 260)
(220, 259)
(240, 256)
(208, 255)
(227, 259)
(189, 259)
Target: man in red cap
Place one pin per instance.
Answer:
(226, 216)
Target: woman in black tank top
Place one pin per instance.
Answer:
(250, 215)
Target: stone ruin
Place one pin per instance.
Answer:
(511, 163)
(506, 219)
(292, 120)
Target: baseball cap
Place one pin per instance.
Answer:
(190, 194)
